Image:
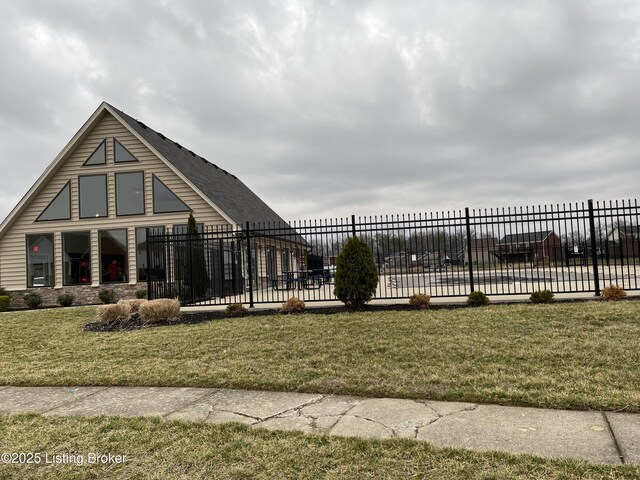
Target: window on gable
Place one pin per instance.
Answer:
(99, 155)
(60, 206)
(93, 196)
(130, 193)
(121, 154)
(164, 200)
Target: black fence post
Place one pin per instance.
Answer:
(249, 267)
(594, 254)
(191, 289)
(149, 294)
(353, 225)
(222, 267)
(466, 212)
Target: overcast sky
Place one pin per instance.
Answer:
(328, 108)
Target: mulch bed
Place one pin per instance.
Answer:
(199, 317)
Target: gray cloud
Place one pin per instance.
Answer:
(333, 108)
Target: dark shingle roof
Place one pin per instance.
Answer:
(530, 237)
(233, 197)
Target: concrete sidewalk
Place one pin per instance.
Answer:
(600, 437)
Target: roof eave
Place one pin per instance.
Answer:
(35, 188)
(174, 169)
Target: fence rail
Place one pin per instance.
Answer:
(515, 250)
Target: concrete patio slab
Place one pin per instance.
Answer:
(626, 428)
(133, 402)
(41, 399)
(547, 433)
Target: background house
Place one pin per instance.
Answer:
(530, 247)
(623, 241)
(482, 252)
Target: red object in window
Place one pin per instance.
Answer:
(84, 280)
(35, 248)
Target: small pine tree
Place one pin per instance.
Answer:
(195, 265)
(356, 274)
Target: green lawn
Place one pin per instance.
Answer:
(565, 355)
(157, 449)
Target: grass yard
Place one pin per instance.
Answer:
(157, 449)
(565, 355)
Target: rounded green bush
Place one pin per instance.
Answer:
(32, 300)
(141, 294)
(356, 274)
(65, 299)
(477, 299)
(542, 296)
(107, 296)
(5, 302)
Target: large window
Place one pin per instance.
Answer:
(272, 270)
(60, 206)
(93, 196)
(76, 253)
(164, 200)
(284, 260)
(130, 193)
(40, 267)
(157, 254)
(113, 255)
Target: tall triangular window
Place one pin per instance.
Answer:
(60, 206)
(164, 200)
(121, 154)
(99, 155)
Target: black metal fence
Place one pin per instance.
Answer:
(505, 251)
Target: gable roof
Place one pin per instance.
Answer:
(232, 196)
(530, 237)
(222, 190)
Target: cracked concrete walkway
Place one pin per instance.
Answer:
(600, 437)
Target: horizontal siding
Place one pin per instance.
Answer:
(12, 244)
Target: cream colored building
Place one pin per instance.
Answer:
(82, 225)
